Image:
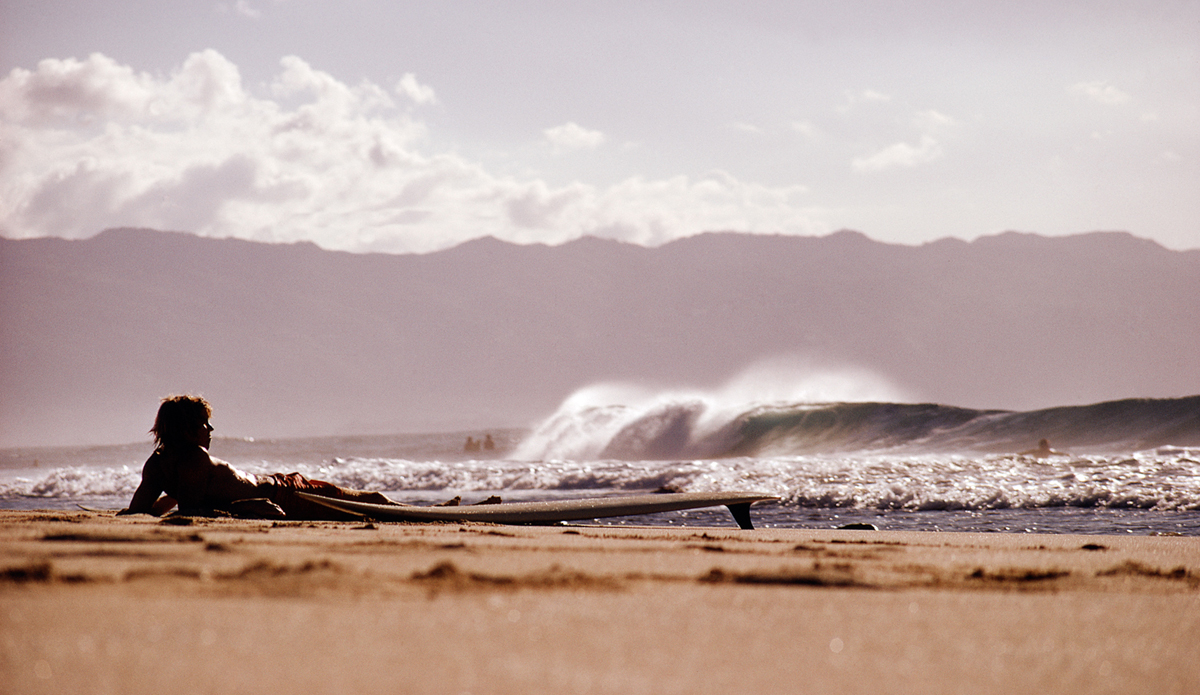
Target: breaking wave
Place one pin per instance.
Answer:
(699, 428)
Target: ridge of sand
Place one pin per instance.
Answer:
(101, 603)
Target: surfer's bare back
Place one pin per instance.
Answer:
(181, 471)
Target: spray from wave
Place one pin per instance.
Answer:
(626, 421)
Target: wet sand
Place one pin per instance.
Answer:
(94, 603)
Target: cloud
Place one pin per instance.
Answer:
(806, 128)
(90, 144)
(241, 8)
(930, 121)
(419, 93)
(538, 207)
(901, 154)
(1100, 91)
(572, 136)
(865, 96)
(933, 125)
(70, 92)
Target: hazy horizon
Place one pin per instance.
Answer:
(291, 340)
(485, 237)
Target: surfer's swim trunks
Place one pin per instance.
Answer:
(280, 488)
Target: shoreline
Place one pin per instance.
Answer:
(127, 604)
(1087, 521)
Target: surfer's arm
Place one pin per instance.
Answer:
(145, 498)
(162, 505)
(158, 507)
(151, 496)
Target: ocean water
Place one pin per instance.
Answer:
(1119, 467)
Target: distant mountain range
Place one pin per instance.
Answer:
(292, 340)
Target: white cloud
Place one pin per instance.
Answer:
(930, 120)
(748, 128)
(1100, 91)
(572, 136)
(69, 92)
(933, 125)
(241, 8)
(806, 128)
(865, 96)
(90, 144)
(901, 154)
(419, 93)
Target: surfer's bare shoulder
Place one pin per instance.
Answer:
(191, 465)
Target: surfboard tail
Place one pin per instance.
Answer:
(741, 514)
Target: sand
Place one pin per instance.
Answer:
(94, 603)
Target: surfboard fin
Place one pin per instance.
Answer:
(741, 514)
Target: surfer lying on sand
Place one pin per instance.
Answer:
(181, 470)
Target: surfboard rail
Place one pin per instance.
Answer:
(555, 511)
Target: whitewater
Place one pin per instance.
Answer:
(1130, 466)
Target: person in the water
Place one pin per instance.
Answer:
(181, 472)
(1043, 450)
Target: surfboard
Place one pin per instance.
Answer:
(551, 512)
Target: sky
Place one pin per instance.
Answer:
(385, 125)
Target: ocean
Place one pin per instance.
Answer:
(1130, 466)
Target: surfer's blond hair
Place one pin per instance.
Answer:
(177, 417)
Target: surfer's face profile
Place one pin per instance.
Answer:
(202, 435)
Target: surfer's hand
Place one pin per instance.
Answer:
(257, 508)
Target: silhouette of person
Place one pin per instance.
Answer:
(181, 472)
(1043, 450)
(488, 443)
(471, 445)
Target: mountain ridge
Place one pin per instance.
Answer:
(292, 339)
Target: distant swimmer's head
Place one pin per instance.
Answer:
(182, 420)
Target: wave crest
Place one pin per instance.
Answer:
(674, 427)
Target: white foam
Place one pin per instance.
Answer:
(1143, 480)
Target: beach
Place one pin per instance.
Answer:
(96, 603)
